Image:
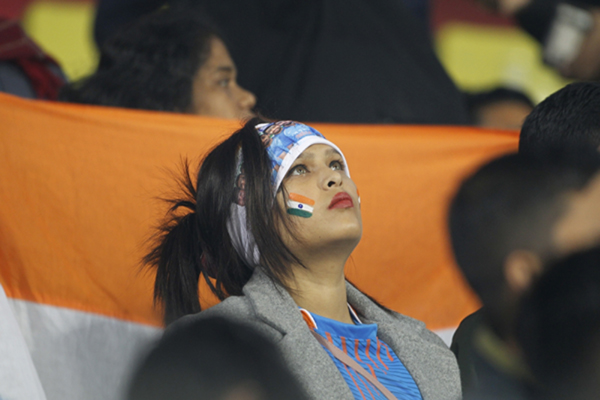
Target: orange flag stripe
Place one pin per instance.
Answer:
(79, 189)
(301, 199)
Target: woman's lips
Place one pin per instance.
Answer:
(341, 200)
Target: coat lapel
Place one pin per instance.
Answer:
(305, 356)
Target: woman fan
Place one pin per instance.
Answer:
(273, 219)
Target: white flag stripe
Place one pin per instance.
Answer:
(299, 206)
(19, 379)
(80, 355)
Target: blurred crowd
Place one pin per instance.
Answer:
(524, 228)
(315, 61)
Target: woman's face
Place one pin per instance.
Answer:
(322, 201)
(215, 89)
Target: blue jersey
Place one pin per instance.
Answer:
(360, 342)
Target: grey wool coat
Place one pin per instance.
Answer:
(269, 308)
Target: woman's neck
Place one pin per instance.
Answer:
(321, 289)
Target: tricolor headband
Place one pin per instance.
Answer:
(284, 141)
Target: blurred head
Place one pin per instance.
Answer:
(513, 216)
(214, 359)
(499, 108)
(567, 118)
(559, 327)
(260, 199)
(216, 92)
(170, 60)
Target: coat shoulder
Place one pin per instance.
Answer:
(235, 308)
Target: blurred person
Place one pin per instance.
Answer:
(568, 118)
(499, 108)
(170, 60)
(569, 31)
(559, 328)
(362, 61)
(276, 259)
(25, 69)
(507, 221)
(214, 359)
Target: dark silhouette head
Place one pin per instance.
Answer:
(214, 359)
(559, 327)
(514, 215)
(568, 118)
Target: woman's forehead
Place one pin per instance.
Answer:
(316, 150)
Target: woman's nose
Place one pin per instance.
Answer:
(246, 99)
(333, 179)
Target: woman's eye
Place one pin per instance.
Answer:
(224, 83)
(298, 170)
(336, 165)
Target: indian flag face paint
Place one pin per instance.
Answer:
(300, 206)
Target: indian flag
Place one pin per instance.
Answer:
(300, 206)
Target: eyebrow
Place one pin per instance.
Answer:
(225, 69)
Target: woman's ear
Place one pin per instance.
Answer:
(521, 267)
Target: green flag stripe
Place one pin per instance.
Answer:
(299, 213)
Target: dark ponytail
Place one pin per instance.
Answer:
(196, 243)
(177, 255)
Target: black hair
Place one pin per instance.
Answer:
(511, 203)
(196, 243)
(149, 64)
(569, 117)
(558, 326)
(213, 358)
(478, 100)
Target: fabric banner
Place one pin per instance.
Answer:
(18, 375)
(79, 189)
(77, 355)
